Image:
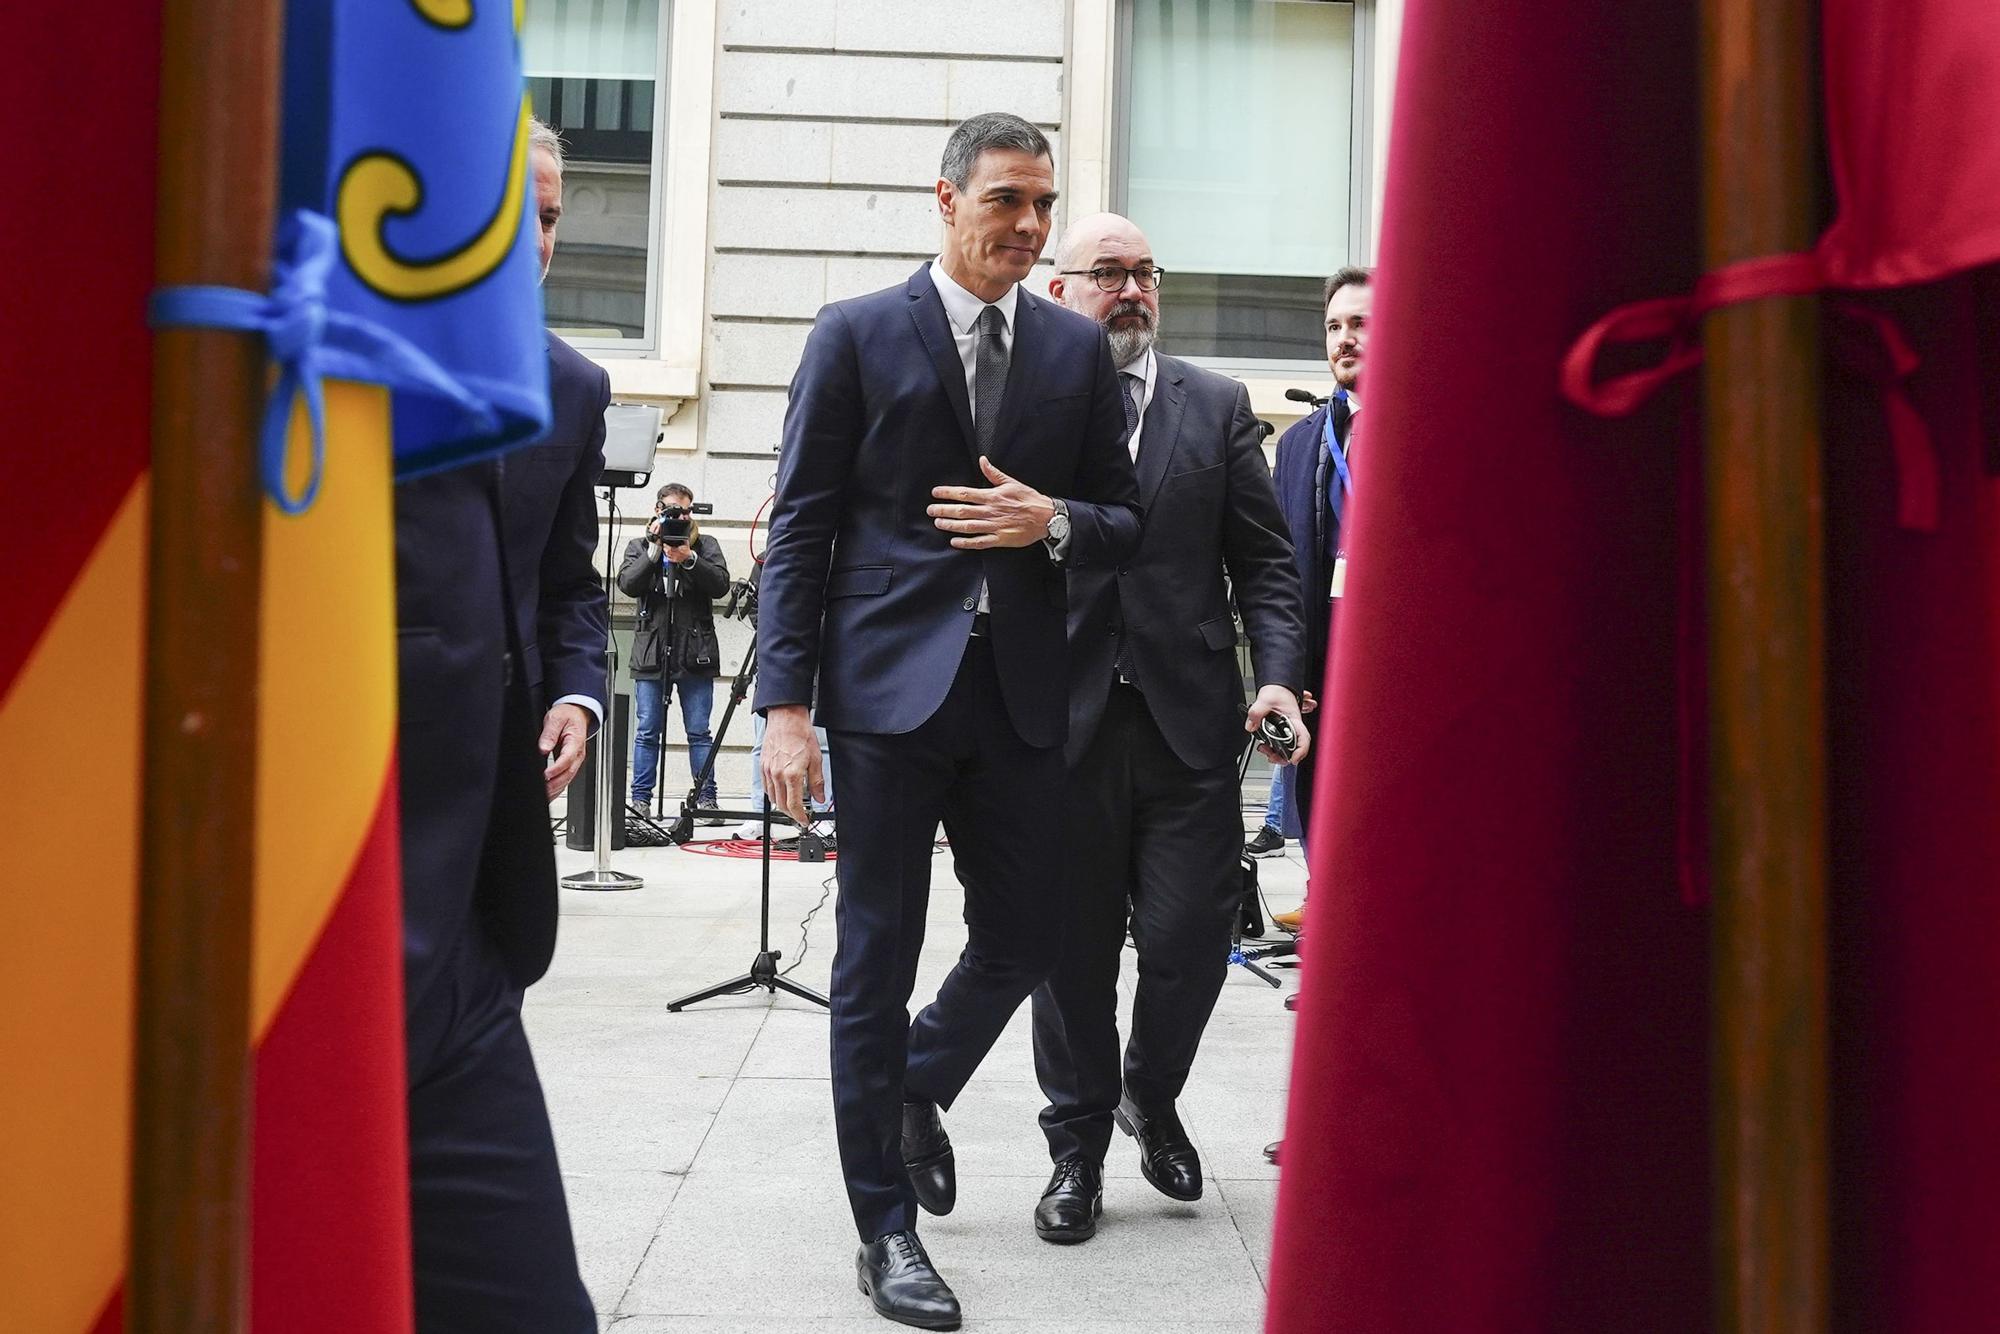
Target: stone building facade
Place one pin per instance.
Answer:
(790, 160)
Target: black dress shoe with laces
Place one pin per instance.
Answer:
(927, 1157)
(1166, 1154)
(1070, 1206)
(895, 1274)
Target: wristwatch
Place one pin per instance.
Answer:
(1058, 525)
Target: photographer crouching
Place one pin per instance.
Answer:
(675, 574)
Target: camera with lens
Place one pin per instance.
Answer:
(675, 523)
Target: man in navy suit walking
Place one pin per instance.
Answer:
(550, 520)
(501, 629)
(951, 446)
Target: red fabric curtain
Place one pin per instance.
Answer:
(1911, 92)
(1499, 1115)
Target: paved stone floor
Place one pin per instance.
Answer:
(698, 1147)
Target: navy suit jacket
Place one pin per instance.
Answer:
(1210, 510)
(475, 816)
(861, 591)
(1301, 475)
(549, 518)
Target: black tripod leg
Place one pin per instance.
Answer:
(735, 986)
(739, 689)
(790, 987)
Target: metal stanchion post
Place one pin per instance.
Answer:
(601, 876)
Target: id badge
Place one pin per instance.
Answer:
(1339, 575)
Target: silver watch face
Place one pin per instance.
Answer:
(1058, 526)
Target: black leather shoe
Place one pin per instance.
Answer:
(895, 1274)
(1166, 1155)
(1071, 1205)
(927, 1156)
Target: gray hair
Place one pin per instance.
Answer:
(541, 136)
(989, 129)
(1350, 276)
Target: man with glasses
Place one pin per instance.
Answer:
(1152, 830)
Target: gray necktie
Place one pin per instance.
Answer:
(989, 379)
(1130, 385)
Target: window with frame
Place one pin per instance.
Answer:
(1238, 125)
(594, 72)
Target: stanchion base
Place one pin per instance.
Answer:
(602, 880)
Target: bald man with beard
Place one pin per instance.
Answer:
(1157, 723)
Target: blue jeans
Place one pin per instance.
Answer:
(1279, 815)
(757, 800)
(697, 703)
(1281, 791)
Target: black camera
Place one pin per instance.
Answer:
(675, 523)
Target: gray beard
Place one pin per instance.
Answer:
(1131, 342)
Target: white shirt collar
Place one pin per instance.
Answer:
(1147, 367)
(962, 307)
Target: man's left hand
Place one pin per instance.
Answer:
(681, 555)
(1006, 514)
(563, 734)
(1277, 699)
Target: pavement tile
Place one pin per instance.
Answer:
(1254, 1207)
(614, 1216)
(653, 1123)
(648, 1040)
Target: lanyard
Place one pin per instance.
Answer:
(1335, 452)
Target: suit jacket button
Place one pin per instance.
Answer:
(968, 604)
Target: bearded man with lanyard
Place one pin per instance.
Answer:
(1315, 480)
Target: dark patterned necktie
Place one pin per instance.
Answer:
(1129, 385)
(989, 379)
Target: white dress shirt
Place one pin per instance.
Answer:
(1147, 368)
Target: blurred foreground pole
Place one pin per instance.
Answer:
(217, 186)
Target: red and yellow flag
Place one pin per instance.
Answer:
(329, 1181)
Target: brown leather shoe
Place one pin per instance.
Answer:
(1293, 921)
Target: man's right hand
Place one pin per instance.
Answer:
(791, 760)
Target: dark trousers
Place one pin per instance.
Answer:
(1150, 841)
(489, 1225)
(1000, 800)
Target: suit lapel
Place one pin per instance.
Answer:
(1160, 429)
(927, 309)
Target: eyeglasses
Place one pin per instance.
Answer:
(1111, 278)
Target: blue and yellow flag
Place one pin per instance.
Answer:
(406, 124)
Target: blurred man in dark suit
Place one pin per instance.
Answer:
(550, 520)
(1315, 478)
(1156, 727)
(493, 616)
(914, 576)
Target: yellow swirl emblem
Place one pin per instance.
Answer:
(448, 13)
(379, 186)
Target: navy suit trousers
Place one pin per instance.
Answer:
(491, 1233)
(1000, 800)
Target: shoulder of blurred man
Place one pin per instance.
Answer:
(578, 388)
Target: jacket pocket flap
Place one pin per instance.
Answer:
(858, 581)
(1061, 403)
(1219, 633)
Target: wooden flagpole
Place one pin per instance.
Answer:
(1766, 593)
(218, 166)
